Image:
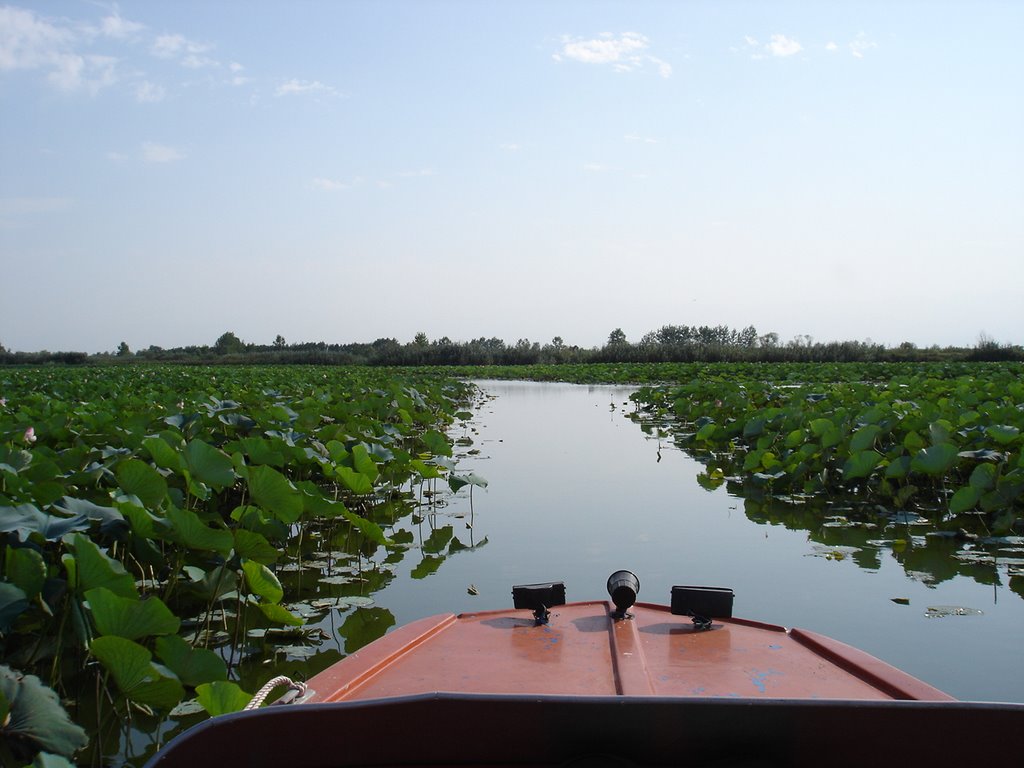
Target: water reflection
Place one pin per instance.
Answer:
(926, 554)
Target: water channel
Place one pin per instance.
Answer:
(577, 490)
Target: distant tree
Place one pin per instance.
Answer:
(122, 349)
(228, 344)
(279, 341)
(421, 339)
(769, 340)
(616, 338)
(748, 336)
(986, 342)
(557, 342)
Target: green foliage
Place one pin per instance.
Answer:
(32, 718)
(152, 519)
(222, 698)
(137, 677)
(925, 437)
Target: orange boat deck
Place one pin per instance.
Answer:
(584, 651)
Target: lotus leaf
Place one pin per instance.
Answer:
(135, 673)
(222, 697)
(33, 712)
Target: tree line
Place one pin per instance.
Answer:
(669, 344)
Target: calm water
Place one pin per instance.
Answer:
(577, 490)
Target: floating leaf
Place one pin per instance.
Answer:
(93, 568)
(935, 460)
(471, 478)
(140, 479)
(254, 546)
(280, 615)
(1003, 434)
(111, 520)
(898, 468)
(25, 568)
(436, 443)
(163, 454)
(190, 531)
(275, 493)
(34, 713)
(215, 584)
(984, 477)
(262, 581)
(864, 438)
(13, 603)
(135, 673)
(129, 617)
(208, 464)
(26, 519)
(363, 464)
(193, 666)
(964, 499)
(356, 482)
(860, 464)
(222, 697)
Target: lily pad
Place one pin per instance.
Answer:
(34, 713)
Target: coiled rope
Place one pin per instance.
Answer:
(261, 695)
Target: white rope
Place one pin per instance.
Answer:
(261, 695)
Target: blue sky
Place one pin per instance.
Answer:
(344, 171)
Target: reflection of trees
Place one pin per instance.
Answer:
(866, 533)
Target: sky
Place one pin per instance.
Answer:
(347, 171)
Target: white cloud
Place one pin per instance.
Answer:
(329, 185)
(192, 61)
(167, 46)
(149, 93)
(77, 55)
(418, 172)
(624, 53)
(72, 72)
(119, 28)
(303, 86)
(28, 42)
(781, 45)
(597, 168)
(861, 44)
(510, 147)
(636, 138)
(831, 47)
(664, 68)
(160, 153)
(190, 51)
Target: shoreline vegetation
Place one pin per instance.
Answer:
(668, 344)
(155, 518)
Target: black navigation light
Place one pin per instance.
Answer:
(539, 597)
(702, 604)
(623, 587)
